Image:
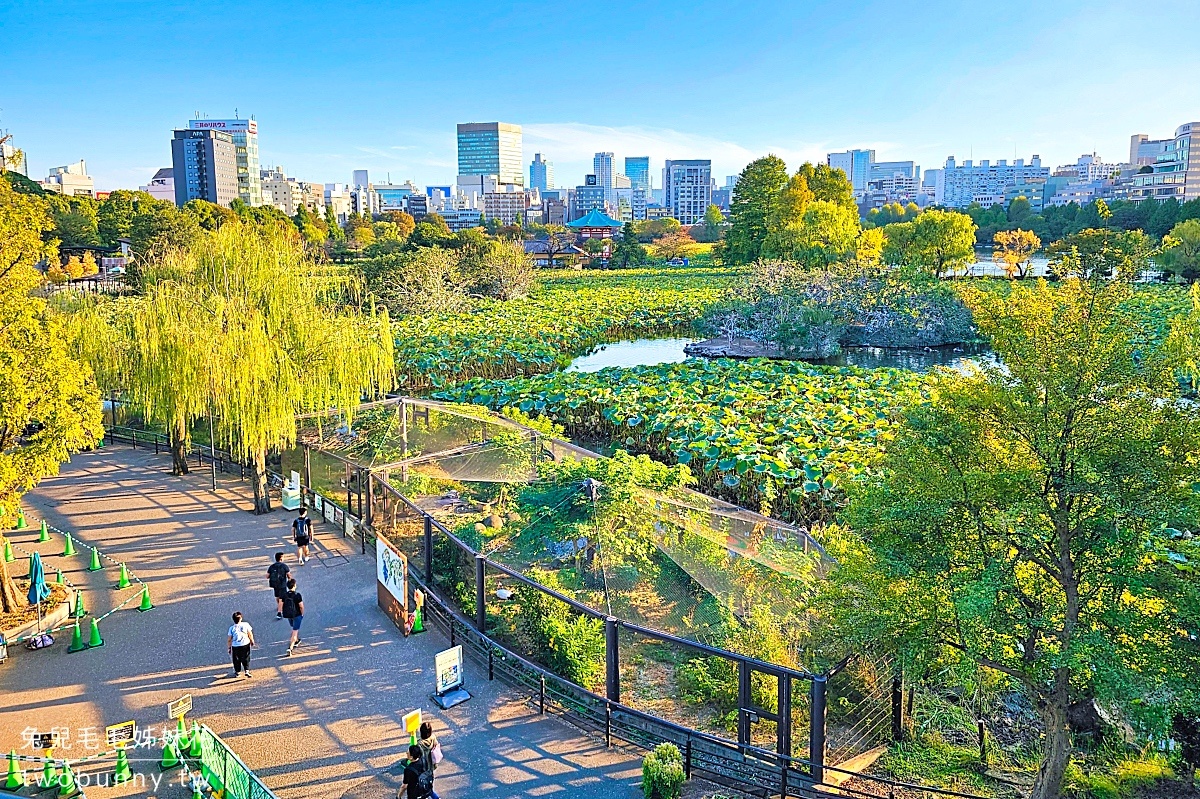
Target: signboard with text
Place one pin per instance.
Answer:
(180, 707)
(448, 668)
(391, 575)
(120, 734)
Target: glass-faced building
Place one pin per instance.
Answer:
(491, 148)
(1176, 171)
(245, 142)
(637, 169)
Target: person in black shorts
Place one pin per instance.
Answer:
(302, 534)
(277, 577)
(293, 611)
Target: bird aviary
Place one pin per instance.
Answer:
(709, 599)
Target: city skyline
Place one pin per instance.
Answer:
(944, 82)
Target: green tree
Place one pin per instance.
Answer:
(1020, 213)
(209, 216)
(1018, 520)
(158, 229)
(244, 326)
(49, 405)
(115, 215)
(936, 242)
(754, 203)
(629, 252)
(1181, 258)
(714, 223)
(828, 184)
(423, 280)
(826, 234)
(1101, 253)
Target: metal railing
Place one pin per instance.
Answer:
(225, 772)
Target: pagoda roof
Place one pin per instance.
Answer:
(595, 218)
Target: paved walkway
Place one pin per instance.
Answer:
(323, 723)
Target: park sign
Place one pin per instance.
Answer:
(391, 574)
(448, 672)
(180, 707)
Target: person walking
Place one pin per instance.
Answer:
(302, 534)
(417, 781)
(241, 638)
(431, 753)
(293, 611)
(277, 576)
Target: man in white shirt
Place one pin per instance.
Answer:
(241, 638)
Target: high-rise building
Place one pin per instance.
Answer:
(1144, 151)
(71, 180)
(491, 148)
(603, 169)
(245, 141)
(204, 166)
(856, 164)
(1176, 170)
(638, 170)
(984, 182)
(687, 189)
(360, 177)
(541, 173)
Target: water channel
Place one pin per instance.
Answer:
(655, 351)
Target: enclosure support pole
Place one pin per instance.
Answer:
(612, 661)
(743, 703)
(212, 450)
(369, 515)
(427, 551)
(307, 469)
(783, 726)
(816, 737)
(480, 597)
(542, 694)
(897, 707)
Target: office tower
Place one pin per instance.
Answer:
(204, 166)
(491, 148)
(603, 169)
(856, 164)
(541, 173)
(361, 178)
(245, 141)
(71, 180)
(638, 170)
(1144, 151)
(687, 189)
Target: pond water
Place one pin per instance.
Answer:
(653, 351)
(984, 266)
(642, 352)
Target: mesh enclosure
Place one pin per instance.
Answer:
(860, 709)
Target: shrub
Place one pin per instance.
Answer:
(662, 773)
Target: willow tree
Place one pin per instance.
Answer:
(49, 406)
(245, 327)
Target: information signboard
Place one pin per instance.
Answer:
(180, 707)
(448, 666)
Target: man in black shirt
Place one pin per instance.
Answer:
(418, 780)
(293, 611)
(277, 575)
(302, 534)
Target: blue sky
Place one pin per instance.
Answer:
(380, 86)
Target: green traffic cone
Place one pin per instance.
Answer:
(77, 644)
(170, 756)
(95, 566)
(69, 547)
(195, 750)
(123, 582)
(60, 580)
(16, 776)
(145, 606)
(8, 553)
(121, 771)
(21, 523)
(418, 621)
(80, 610)
(66, 782)
(181, 737)
(95, 639)
(196, 791)
(49, 775)
(44, 535)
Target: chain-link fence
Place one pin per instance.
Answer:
(225, 772)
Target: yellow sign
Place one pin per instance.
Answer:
(412, 722)
(120, 734)
(180, 707)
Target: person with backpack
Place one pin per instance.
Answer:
(293, 611)
(277, 576)
(431, 753)
(241, 638)
(302, 534)
(417, 780)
